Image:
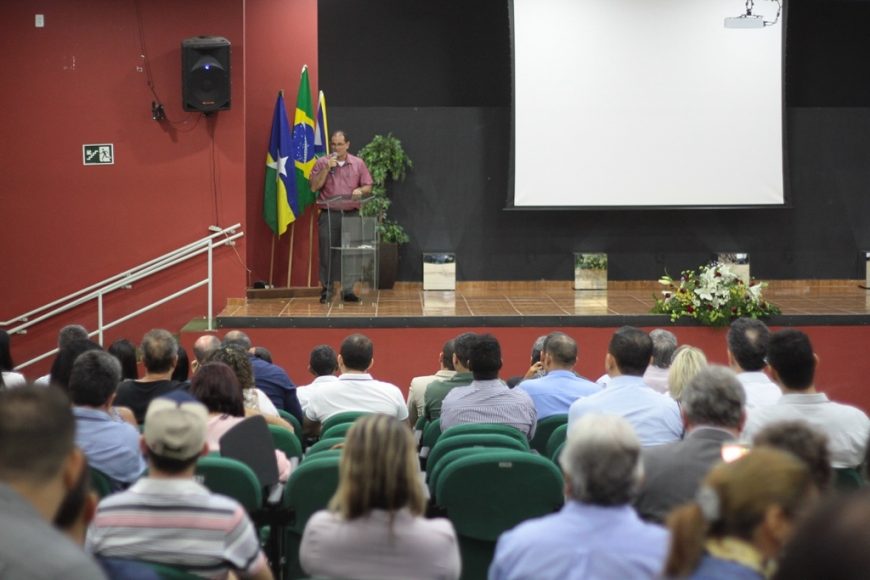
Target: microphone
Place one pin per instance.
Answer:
(332, 169)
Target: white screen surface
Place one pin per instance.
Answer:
(632, 103)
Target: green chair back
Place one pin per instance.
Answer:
(556, 438)
(494, 428)
(486, 494)
(435, 472)
(100, 483)
(338, 430)
(231, 478)
(286, 441)
(323, 445)
(430, 436)
(848, 479)
(447, 444)
(419, 427)
(297, 426)
(346, 417)
(557, 452)
(323, 453)
(308, 490)
(544, 429)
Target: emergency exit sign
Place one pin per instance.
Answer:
(99, 154)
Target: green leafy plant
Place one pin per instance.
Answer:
(591, 261)
(714, 296)
(387, 161)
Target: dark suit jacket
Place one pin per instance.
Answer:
(673, 472)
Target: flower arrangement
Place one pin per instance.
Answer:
(714, 295)
(590, 261)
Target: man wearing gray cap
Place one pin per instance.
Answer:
(169, 518)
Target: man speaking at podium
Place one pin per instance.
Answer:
(340, 180)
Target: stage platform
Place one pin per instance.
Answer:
(522, 304)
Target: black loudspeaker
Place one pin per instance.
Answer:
(205, 73)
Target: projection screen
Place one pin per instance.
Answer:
(645, 103)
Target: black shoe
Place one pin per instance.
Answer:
(324, 296)
(351, 297)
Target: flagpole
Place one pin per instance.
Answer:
(272, 263)
(310, 243)
(290, 259)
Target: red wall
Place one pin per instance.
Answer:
(79, 80)
(402, 353)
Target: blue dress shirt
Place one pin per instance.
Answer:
(654, 416)
(554, 392)
(111, 445)
(274, 382)
(582, 541)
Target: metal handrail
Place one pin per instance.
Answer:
(125, 280)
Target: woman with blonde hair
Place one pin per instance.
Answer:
(374, 527)
(687, 362)
(742, 516)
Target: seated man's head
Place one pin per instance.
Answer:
(747, 344)
(462, 350)
(323, 361)
(238, 339)
(447, 352)
(356, 353)
(804, 442)
(601, 461)
(159, 351)
(94, 379)
(715, 398)
(174, 434)
(664, 344)
(38, 457)
(629, 352)
(559, 352)
(792, 360)
(204, 346)
(484, 360)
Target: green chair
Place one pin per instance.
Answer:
(486, 494)
(323, 453)
(848, 479)
(286, 441)
(430, 436)
(556, 438)
(346, 417)
(100, 483)
(323, 445)
(435, 472)
(297, 426)
(419, 427)
(339, 430)
(308, 490)
(556, 453)
(231, 478)
(544, 429)
(167, 572)
(447, 444)
(498, 428)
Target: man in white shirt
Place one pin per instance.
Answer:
(793, 366)
(747, 349)
(323, 364)
(355, 389)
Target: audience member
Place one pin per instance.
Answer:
(417, 390)
(355, 389)
(67, 334)
(654, 416)
(804, 442)
(216, 386)
(125, 351)
(713, 414)
(688, 361)
(374, 527)
(793, 366)
(664, 344)
(269, 378)
(560, 386)
(110, 444)
(487, 399)
(39, 468)
(255, 400)
(741, 518)
(831, 544)
(323, 364)
(536, 365)
(263, 353)
(438, 389)
(159, 356)
(61, 368)
(10, 378)
(167, 517)
(202, 348)
(181, 373)
(747, 348)
(596, 535)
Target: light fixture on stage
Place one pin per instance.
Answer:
(750, 20)
(738, 262)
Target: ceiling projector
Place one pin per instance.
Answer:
(745, 21)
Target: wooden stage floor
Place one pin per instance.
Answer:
(837, 302)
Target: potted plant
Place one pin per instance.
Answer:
(387, 161)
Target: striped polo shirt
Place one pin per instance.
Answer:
(489, 402)
(176, 522)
